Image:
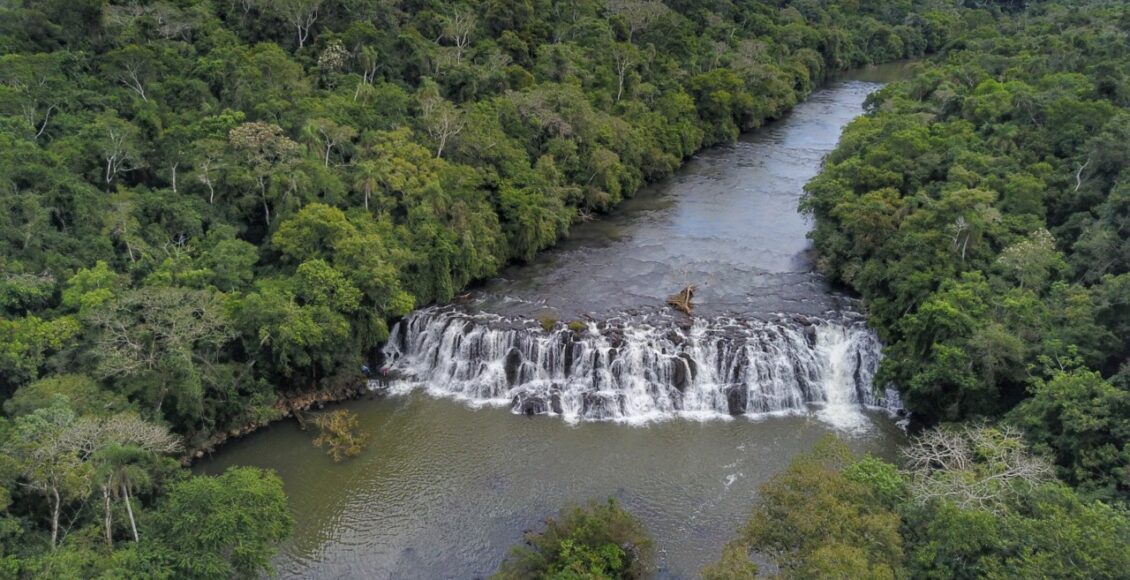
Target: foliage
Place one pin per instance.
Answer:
(211, 198)
(822, 517)
(831, 514)
(600, 540)
(980, 211)
(340, 434)
(212, 203)
(221, 527)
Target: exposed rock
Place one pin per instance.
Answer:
(602, 406)
(512, 365)
(737, 399)
(810, 335)
(568, 362)
(530, 405)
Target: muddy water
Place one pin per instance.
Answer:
(447, 485)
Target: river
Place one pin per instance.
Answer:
(680, 420)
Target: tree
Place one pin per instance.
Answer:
(131, 66)
(117, 142)
(33, 87)
(1032, 261)
(442, 120)
(340, 434)
(600, 540)
(209, 157)
(161, 336)
(624, 57)
(457, 30)
(301, 14)
(267, 154)
(89, 288)
(976, 467)
(221, 526)
(328, 135)
(50, 463)
(827, 515)
(637, 14)
(114, 445)
(1081, 419)
(367, 177)
(83, 394)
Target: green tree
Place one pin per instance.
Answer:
(601, 540)
(220, 526)
(824, 516)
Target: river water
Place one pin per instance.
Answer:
(496, 422)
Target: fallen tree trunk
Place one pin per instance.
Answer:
(683, 300)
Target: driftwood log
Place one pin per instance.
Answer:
(683, 300)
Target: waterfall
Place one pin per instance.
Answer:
(642, 367)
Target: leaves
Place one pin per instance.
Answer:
(340, 434)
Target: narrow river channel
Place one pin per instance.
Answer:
(680, 421)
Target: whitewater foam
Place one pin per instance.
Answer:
(639, 368)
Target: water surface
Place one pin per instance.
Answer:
(443, 491)
(448, 485)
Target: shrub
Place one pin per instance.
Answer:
(600, 540)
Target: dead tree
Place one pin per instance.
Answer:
(683, 301)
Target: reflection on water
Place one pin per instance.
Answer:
(444, 490)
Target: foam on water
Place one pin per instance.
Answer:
(640, 368)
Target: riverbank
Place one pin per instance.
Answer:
(290, 405)
(448, 483)
(523, 300)
(442, 491)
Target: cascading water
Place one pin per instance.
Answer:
(643, 367)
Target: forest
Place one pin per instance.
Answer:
(980, 211)
(215, 205)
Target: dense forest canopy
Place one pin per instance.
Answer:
(289, 175)
(214, 202)
(982, 210)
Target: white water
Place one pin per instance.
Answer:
(642, 368)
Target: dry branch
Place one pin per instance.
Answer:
(683, 300)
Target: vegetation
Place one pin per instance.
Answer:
(210, 202)
(595, 541)
(972, 503)
(980, 210)
(340, 434)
